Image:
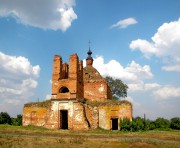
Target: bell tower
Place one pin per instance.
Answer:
(67, 80)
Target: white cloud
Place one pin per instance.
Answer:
(133, 71)
(17, 78)
(50, 81)
(152, 86)
(20, 66)
(135, 75)
(172, 68)
(12, 101)
(136, 86)
(155, 90)
(30, 83)
(141, 72)
(141, 86)
(46, 14)
(48, 97)
(165, 44)
(167, 92)
(125, 23)
(136, 105)
(130, 99)
(144, 46)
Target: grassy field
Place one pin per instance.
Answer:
(17, 137)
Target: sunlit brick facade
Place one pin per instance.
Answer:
(79, 101)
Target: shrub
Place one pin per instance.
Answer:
(140, 124)
(151, 125)
(137, 124)
(125, 124)
(162, 123)
(17, 121)
(175, 123)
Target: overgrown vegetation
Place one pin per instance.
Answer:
(38, 104)
(6, 119)
(140, 124)
(17, 121)
(108, 102)
(175, 123)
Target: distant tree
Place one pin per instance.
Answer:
(14, 121)
(5, 118)
(150, 125)
(17, 121)
(175, 123)
(162, 123)
(118, 88)
(141, 124)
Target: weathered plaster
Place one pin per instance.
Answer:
(80, 83)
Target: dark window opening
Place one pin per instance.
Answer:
(64, 90)
(64, 119)
(114, 123)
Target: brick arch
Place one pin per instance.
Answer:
(64, 89)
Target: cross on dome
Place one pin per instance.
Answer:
(89, 52)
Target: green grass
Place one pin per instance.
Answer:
(31, 136)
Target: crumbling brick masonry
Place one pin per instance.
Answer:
(81, 99)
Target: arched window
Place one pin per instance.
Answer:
(64, 90)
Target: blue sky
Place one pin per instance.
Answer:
(137, 41)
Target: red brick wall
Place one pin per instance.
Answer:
(95, 86)
(34, 116)
(69, 76)
(96, 90)
(57, 71)
(92, 114)
(106, 113)
(80, 116)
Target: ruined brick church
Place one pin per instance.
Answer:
(80, 100)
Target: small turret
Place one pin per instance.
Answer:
(89, 59)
